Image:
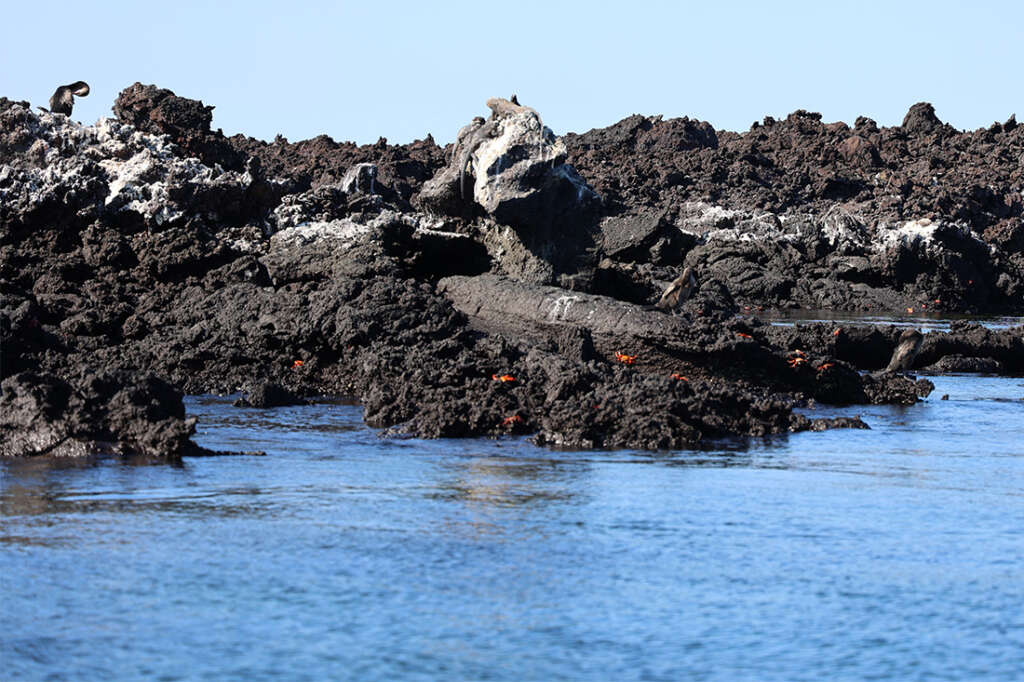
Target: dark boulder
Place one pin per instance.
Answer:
(94, 413)
(921, 118)
(187, 121)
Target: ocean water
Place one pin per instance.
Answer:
(890, 554)
(922, 319)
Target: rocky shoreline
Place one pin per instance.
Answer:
(504, 284)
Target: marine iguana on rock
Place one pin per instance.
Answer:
(483, 131)
(479, 131)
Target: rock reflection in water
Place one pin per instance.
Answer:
(492, 481)
(61, 488)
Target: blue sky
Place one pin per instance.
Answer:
(361, 70)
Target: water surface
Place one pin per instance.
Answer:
(920, 318)
(893, 553)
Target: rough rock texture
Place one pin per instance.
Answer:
(835, 261)
(187, 121)
(323, 162)
(870, 347)
(540, 214)
(656, 343)
(803, 181)
(959, 363)
(149, 255)
(122, 412)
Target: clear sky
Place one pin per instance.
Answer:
(361, 70)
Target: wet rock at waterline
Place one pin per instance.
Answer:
(126, 413)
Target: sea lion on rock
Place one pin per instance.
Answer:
(63, 99)
(678, 292)
(906, 351)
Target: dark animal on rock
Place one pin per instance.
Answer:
(63, 99)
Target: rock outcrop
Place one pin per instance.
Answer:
(798, 175)
(93, 413)
(539, 213)
(148, 255)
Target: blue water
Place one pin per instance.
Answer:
(921, 319)
(894, 553)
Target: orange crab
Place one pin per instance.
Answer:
(836, 332)
(796, 362)
(744, 336)
(512, 421)
(679, 377)
(503, 378)
(297, 364)
(825, 366)
(625, 359)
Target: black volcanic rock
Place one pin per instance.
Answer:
(113, 412)
(187, 121)
(134, 266)
(921, 118)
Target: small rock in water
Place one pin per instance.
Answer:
(268, 394)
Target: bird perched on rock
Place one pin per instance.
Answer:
(906, 351)
(63, 99)
(678, 291)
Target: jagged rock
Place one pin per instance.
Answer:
(318, 251)
(890, 388)
(800, 169)
(836, 261)
(217, 279)
(921, 118)
(859, 151)
(626, 282)
(870, 347)
(512, 170)
(711, 300)
(804, 423)
(631, 237)
(520, 177)
(971, 340)
(111, 168)
(187, 121)
(110, 412)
